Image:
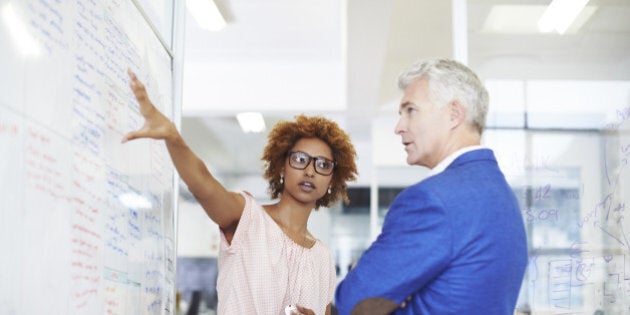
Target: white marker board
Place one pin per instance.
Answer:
(86, 223)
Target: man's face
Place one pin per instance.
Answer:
(423, 126)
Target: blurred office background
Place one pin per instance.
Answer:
(560, 103)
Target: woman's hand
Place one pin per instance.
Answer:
(156, 125)
(304, 310)
(223, 207)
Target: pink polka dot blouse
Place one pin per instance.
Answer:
(263, 270)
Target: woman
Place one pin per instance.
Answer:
(269, 263)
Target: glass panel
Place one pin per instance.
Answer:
(507, 103)
(160, 14)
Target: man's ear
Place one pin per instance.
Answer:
(457, 113)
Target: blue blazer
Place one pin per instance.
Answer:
(455, 243)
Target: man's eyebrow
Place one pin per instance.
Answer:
(404, 105)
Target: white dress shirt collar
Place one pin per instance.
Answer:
(449, 159)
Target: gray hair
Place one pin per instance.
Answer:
(450, 80)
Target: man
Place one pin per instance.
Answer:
(453, 243)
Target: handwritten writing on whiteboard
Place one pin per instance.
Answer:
(9, 129)
(594, 273)
(49, 24)
(78, 247)
(616, 155)
(575, 212)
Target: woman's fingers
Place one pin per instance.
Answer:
(136, 86)
(140, 92)
(131, 136)
(156, 125)
(305, 311)
(146, 108)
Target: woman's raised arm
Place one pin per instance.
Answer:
(222, 206)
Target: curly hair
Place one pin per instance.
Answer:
(285, 134)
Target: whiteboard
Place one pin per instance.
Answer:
(573, 188)
(86, 223)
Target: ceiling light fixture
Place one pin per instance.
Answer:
(207, 14)
(560, 14)
(513, 19)
(251, 122)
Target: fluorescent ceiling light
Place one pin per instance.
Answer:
(523, 19)
(560, 14)
(513, 19)
(206, 14)
(19, 31)
(581, 19)
(251, 122)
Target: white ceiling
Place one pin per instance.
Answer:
(341, 59)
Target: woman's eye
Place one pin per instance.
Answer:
(324, 164)
(300, 159)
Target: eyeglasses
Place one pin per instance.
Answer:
(300, 160)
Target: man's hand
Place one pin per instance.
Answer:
(375, 306)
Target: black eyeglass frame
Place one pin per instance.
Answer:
(308, 162)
